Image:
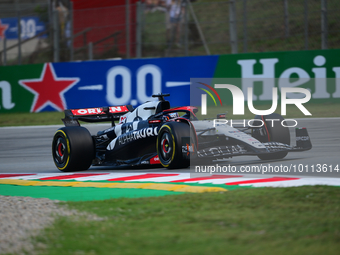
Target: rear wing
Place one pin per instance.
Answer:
(102, 114)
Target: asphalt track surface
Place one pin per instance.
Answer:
(28, 150)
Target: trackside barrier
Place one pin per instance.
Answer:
(58, 86)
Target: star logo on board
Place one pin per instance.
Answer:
(49, 89)
(3, 28)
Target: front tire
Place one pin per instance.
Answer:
(72, 149)
(275, 133)
(169, 145)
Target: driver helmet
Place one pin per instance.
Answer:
(169, 116)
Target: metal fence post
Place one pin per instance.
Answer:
(90, 50)
(199, 28)
(324, 24)
(306, 23)
(71, 32)
(139, 30)
(245, 39)
(127, 23)
(143, 17)
(286, 18)
(55, 36)
(232, 27)
(186, 30)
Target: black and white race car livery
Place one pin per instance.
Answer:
(154, 133)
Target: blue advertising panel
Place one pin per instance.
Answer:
(122, 82)
(30, 26)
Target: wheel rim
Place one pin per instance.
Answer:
(60, 152)
(166, 150)
(61, 149)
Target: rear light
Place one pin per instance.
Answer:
(154, 121)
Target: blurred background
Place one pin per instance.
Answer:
(64, 30)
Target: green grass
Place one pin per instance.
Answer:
(54, 118)
(302, 220)
(31, 119)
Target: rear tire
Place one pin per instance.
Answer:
(169, 144)
(277, 133)
(73, 149)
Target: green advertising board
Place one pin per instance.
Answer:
(14, 97)
(318, 71)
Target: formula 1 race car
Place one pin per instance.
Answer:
(154, 133)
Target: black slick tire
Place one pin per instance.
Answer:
(275, 133)
(72, 149)
(169, 145)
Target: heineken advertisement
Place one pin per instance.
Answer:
(58, 86)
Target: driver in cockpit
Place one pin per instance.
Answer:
(170, 116)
